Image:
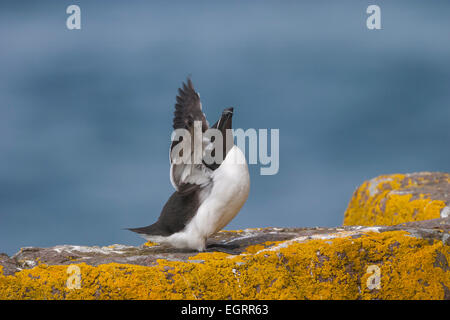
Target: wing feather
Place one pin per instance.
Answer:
(186, 178)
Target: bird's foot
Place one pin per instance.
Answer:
(222, 247)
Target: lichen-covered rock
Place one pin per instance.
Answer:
(398, 198)
(409, 261)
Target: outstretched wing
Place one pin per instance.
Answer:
(187, 177)
(188, 108)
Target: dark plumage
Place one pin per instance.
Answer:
(183, 204)
(177, 212)
(188, 108)
(193, 182)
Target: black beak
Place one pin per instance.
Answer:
(225, 120)
(223, 124)
(228, 110)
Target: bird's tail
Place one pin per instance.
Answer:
(148, 230)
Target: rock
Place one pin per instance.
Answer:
(405, 257)
(399, 198)
(409, 261)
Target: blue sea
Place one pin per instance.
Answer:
(85, 115)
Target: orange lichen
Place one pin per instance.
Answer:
(410, 268)
(386, 200)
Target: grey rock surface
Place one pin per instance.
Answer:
(232, 242)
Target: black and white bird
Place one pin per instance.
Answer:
(207, 196)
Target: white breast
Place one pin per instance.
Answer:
(231, 185)
(221, 202)
(230, 188)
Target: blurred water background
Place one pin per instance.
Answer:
(85, 115)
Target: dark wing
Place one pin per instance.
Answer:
(187, 177)
(188, 108)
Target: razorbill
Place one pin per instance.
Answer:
(208, 195)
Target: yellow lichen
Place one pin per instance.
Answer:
(410, 268)
(231, 231)
(150, 244)
(386, 201)
(257, 247)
